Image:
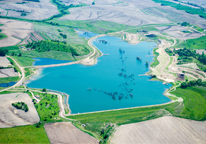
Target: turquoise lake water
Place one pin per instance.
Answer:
(46, 61)
(112, 83)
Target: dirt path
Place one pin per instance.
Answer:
(22, 78)
(164, 60)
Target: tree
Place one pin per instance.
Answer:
(44, 90)
(3, 52)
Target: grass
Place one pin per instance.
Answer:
(9, 79)
(23, 134)
(28, 72)
(2, 36)
(194, 103)
(24, 61)
(100, 27)
(47, 108)
(193, 107)
(51, 54)
(156, 62)
(199, 29)
(171, 59)
(187, 9)
(16, 68)
(197, 43)
(11, 48)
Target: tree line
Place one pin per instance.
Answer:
(55, 45)
(193, 83)
(186, 55)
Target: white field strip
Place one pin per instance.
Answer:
(168, 129)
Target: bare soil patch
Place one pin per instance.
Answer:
(15, 31)
(10, 116)
(9, 72)
(176, 31)
(66, 133)
(35, 10)
(4, 61)
(162, 130)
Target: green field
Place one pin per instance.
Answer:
(2, 36)
(197, 43)
(95, 26)
(156, 62)
(47, 108)
(24, 61)
(16, 68)
(9, 79)
(194, 103)
(23, 134)
(11, 48)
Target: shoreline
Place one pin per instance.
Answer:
(91, 61)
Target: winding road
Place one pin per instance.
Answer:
(22, 77)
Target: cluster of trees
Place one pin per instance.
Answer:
(33, 0)
(186, 55)
(3, 52)
(55, 45)
(185, 24)
(21, 105)
(193, 83)
(63, 35)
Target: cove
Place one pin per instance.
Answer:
(112, 83)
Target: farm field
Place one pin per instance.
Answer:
(165, 129)
(24, 134)
(10, 116)
(80, 31)
(15, 31)
(65, 132)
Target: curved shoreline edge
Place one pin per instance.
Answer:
(90, 60)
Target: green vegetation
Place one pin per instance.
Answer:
(9, 79)
(187, 9)
(28, 72)
(188, 56)
(24, 61)
(156, 62)
(193, 107)
(55, 45)
(3, 52)
(186, 31)
(194, 103)
(23, 134)
(171, 59)
(193, 83)
(197, 43)
(47, 108)
(33, 0)
(169, 52)
(21, 105)
(16, 68)
(63, 9)
(95, 26)
(10, 48)
(2, 36)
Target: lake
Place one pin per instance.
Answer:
(112, 83)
